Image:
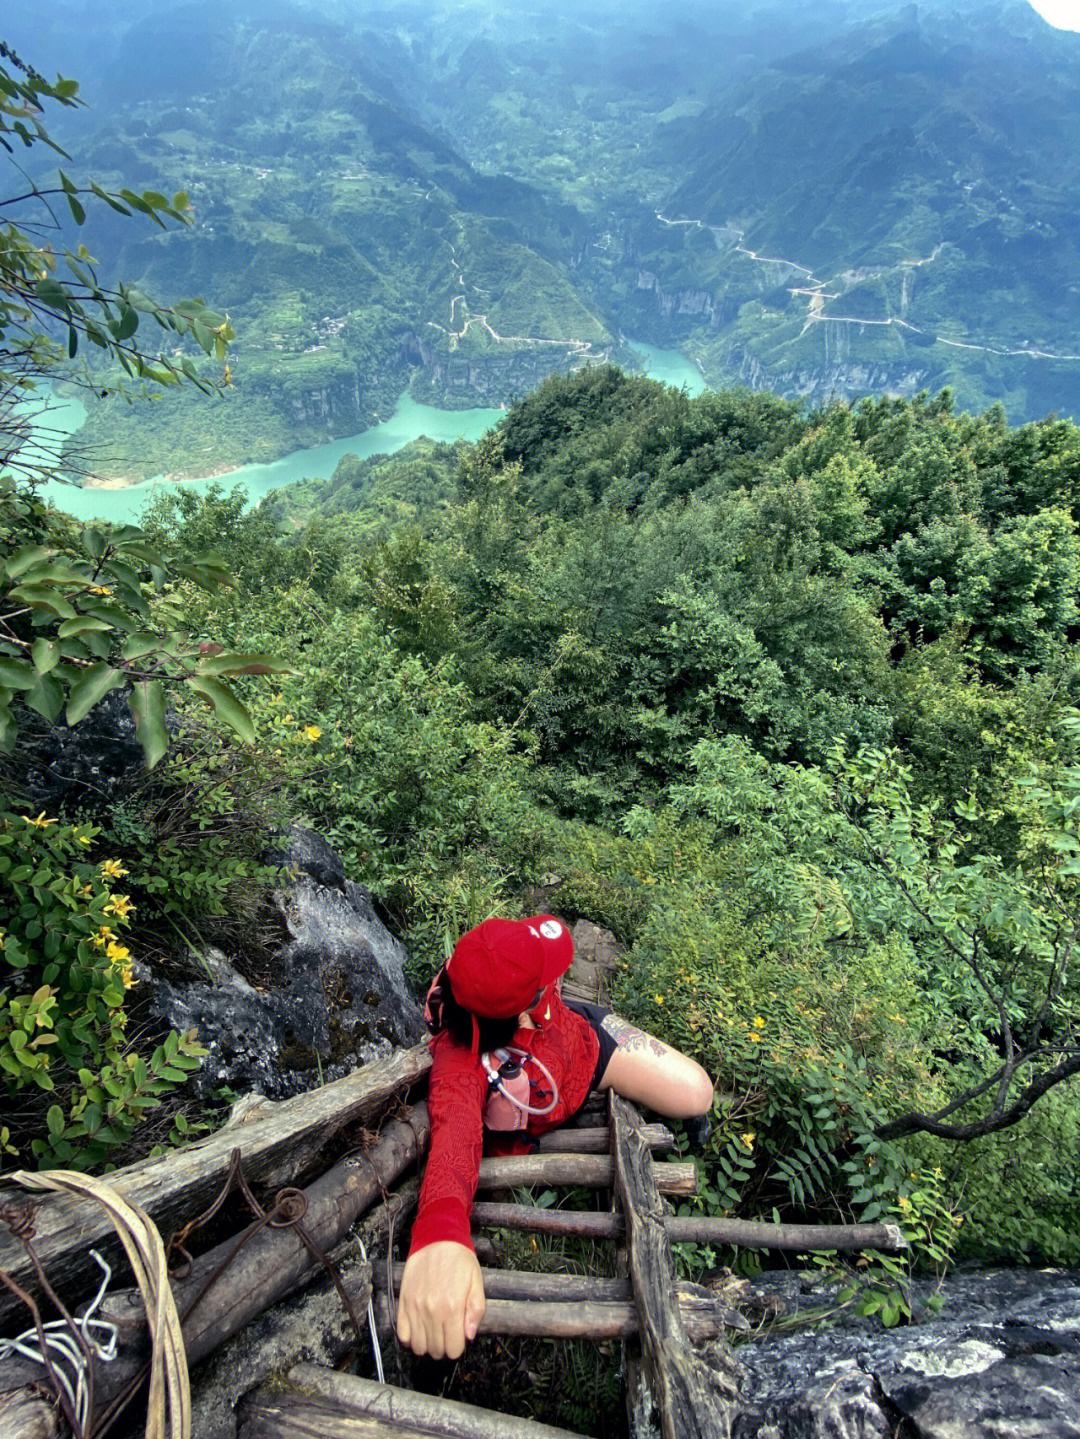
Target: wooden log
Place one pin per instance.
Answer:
(309, 1327)
(584, 1319)
(273, 1414)
(278, 1148)
(587, 1224)
(388, 1219)
(596, 1140)
(352, 1396)
(28, 1414)
(757, 1234)
(691, 1399)
(524, 1284)
(272, 1264)
(692, 1229)
(588, 1171)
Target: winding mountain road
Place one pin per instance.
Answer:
(817, 298)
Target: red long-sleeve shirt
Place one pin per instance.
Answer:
(457, 1092)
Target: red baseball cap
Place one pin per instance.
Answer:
(497, 968)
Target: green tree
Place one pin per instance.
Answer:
(78, 614)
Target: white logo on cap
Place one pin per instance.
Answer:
(551, 929)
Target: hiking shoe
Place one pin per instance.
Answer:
(697, 1130)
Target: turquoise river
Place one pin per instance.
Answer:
(409, 421)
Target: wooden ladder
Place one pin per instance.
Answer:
(670, 1387)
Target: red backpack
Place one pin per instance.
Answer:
(510, 1085)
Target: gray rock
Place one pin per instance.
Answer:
(1001, 1361)
(339, 996)
(88, 766)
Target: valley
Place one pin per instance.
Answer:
(440, 204)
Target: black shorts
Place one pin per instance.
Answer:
(594, 1016)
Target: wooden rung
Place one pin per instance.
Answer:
(589, 1171)
(527, 1285)
(322, 1404)
(692, 1229)
(586, 1319)
(597, 1140)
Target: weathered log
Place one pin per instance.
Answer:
(692, 1229)
(588, 1171)
(28, 1414)
(524, 1284)
(571, 1288)
(388, 1218)
(641, 1417)
(277, 1414)
(272, 1264)
(346, 1397)
(310, 1327)
(276, 1149)
(585, 1223)
(596, 1140)
(586, 1318)
(691, 1399)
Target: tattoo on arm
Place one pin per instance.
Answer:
(627, 1036)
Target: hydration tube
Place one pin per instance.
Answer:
(526, 1056)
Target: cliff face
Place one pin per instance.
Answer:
(340, 396)
(820, 383)
(455, 379)
(684, 301)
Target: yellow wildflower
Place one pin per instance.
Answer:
(748, 1139)
(100, 590)
(904, 1202)
(117, 953)
(958, 1219)
(84, 839)
(112, 869)
(127, 976)
(758, 1022)
(120, 905)
(312, 732)
(103, 937)
(41, 822)
(659, 998)
(754, 1037)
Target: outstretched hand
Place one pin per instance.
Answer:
(441, 1302)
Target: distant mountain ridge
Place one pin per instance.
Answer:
(465, 196)
(353, 246)
(926, 171)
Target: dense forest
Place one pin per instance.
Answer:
(783, 697)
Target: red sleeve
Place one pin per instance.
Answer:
(456, 1090)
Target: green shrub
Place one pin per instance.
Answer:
(63, 1021)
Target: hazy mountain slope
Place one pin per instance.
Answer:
(351, 244)
(925, 173)
(919, 167)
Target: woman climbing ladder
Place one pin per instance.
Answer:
(510, 1054)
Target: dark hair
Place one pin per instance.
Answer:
(458, 1022)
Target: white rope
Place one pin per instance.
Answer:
(65, 1350)
(371, 1321)
(168, 1405)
